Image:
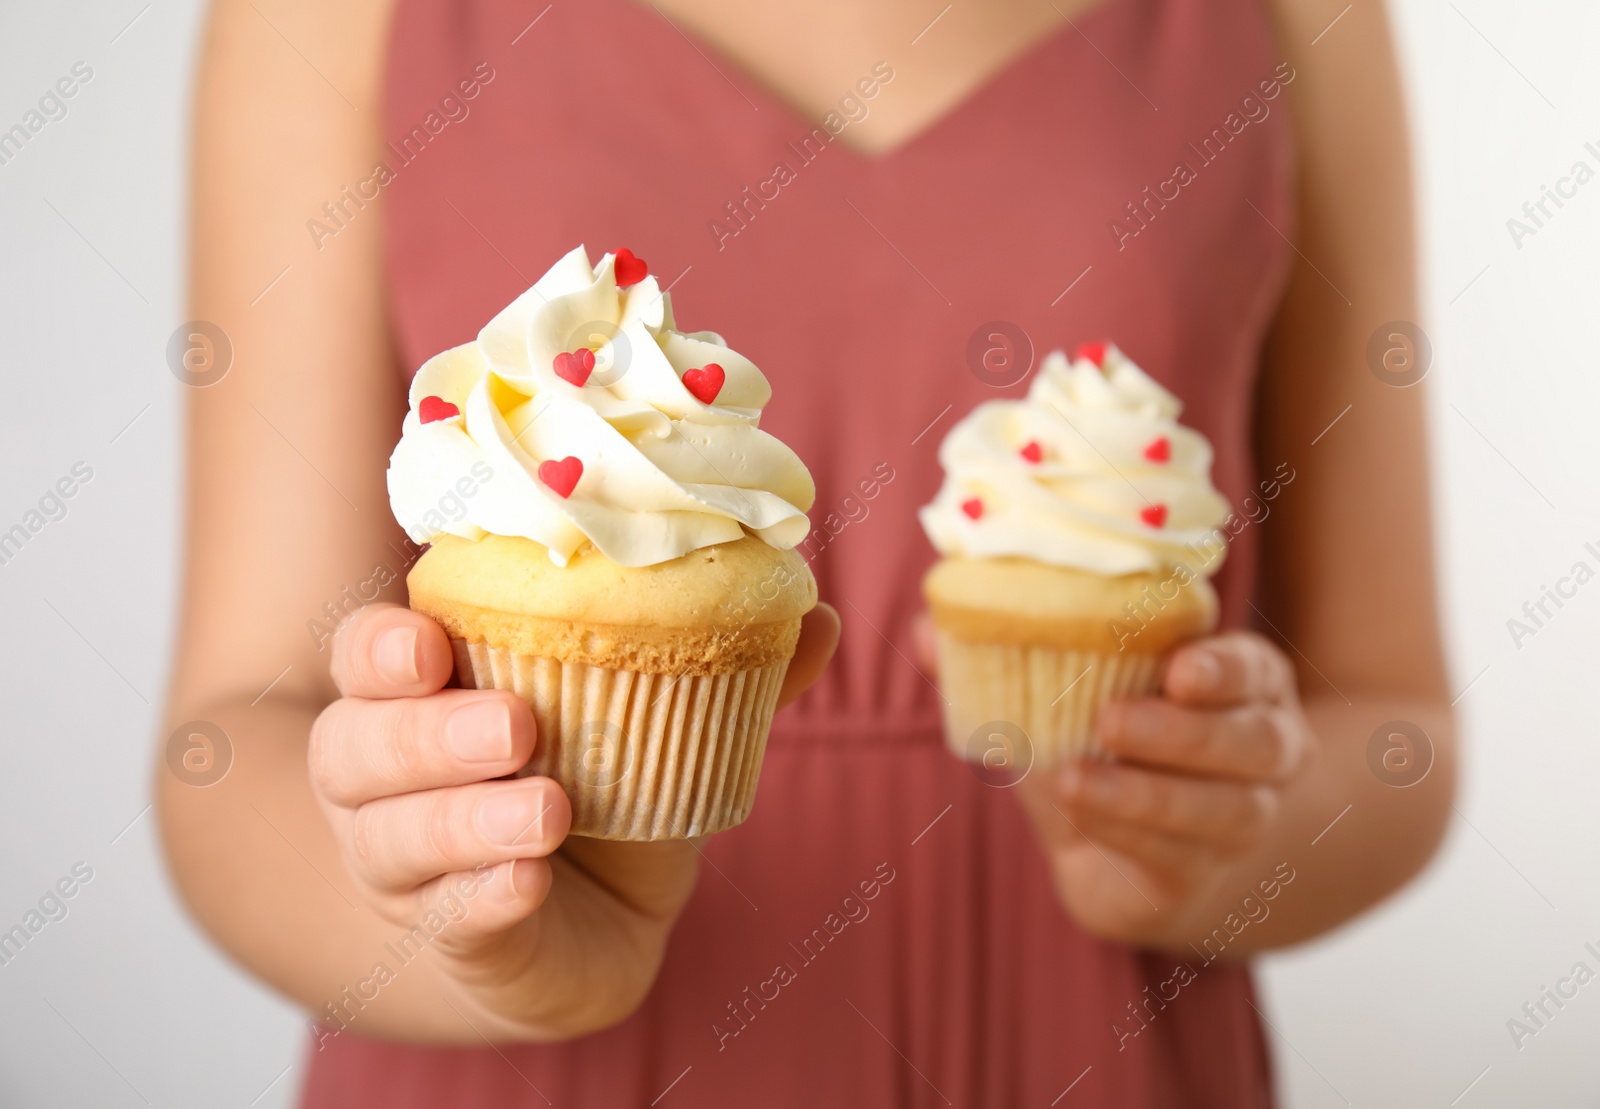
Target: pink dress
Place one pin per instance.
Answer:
(882, 931)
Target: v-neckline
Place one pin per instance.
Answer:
(749, 84)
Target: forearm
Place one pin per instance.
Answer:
(1344, 835)
(258, 866)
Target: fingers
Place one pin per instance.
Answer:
(1174, 861)
(389, 651)
(1113, 800)
(398, 843)
(468, 907)
(1257, 743)
(1228, 669)
(362, 750)
(819, 635)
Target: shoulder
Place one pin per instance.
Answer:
(287, 106)
(1346, 85)
(325, 54)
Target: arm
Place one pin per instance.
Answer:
(272, 535)
(361, 797)
(1372, 617)
(1220, 782)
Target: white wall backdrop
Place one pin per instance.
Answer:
(120, 1002)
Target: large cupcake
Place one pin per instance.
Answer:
(612, 538)
(1078, 529)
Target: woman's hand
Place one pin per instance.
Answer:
(1136, 841)
(547, 937)
(1194, 783)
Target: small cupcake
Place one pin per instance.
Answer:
(1078, 529)
(612, 539)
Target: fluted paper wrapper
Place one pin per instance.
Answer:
(641, 756)
(1052, 695)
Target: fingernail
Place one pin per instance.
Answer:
(522, 872)
(395, 655)
(501, 880)
(1204, 670)
(510, 816)
(480, 731)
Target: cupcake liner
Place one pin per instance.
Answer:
(641, 756)
(1051, 695)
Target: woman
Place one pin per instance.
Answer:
(857, 197)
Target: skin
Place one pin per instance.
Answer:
(355, 801)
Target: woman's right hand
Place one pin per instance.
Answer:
(547, 938)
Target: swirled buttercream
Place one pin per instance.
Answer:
(1092, 470)
(581, 414)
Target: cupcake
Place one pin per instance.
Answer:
(1077, 530)
(612, 538)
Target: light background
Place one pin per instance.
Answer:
(123, 1000)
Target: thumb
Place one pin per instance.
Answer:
(819, 635)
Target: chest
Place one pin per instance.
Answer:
(804, 52)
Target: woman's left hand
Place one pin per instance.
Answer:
(1194, 783)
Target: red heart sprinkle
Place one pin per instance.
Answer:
(1033, 452)
(973, 508)
(1160, 450)
(705, 383)
(1155, 515)
(629, 270)
(561, 476)
(1094, 352)
(433, 409)
(575, 366)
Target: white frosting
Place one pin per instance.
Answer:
(1099, 498)
(663, 472)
